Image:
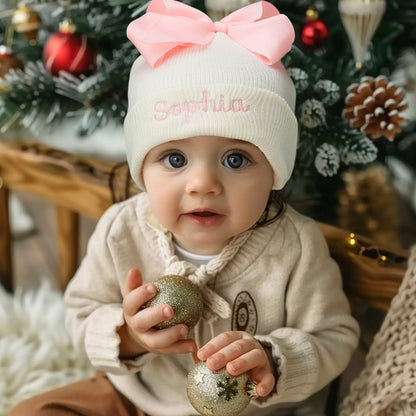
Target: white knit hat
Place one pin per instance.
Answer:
(221, 89)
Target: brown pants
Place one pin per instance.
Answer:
(93, 397)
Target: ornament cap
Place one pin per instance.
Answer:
(66, 26)
(22, 7)
(311, 14)
(251, 389)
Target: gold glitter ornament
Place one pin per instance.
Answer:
(26, 21)
(216, 393)
(183, 295)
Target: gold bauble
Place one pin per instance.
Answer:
(216, 393)
(183, 295)
(26, 21)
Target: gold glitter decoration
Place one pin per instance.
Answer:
(26, 21)
(216, 393)
(183, 295)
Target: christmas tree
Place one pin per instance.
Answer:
(72, 59)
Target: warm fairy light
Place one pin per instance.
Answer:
(352, 240)
(372, 252)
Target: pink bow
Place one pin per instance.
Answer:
(169, 24)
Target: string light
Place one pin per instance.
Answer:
(367, 249)
(352, 239)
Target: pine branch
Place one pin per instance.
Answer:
(30, 98)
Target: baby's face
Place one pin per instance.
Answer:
(207, 189)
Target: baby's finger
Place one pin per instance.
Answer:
(134, 300)
(166, 338)
(265, 381)
(234, 351)
(133, 280)
(149, 317)
(217, 343)
(254, 358)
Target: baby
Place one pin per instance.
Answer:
(211, 139)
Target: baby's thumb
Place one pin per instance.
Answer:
(133, 280)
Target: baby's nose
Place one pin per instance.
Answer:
(203, 181)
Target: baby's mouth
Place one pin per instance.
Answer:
(205, 218)
(204, 213)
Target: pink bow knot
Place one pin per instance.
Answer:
(220, 27)
(169, 25)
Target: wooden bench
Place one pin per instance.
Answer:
(75, 185)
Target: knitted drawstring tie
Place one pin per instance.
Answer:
(214, 304)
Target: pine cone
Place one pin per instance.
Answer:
(374, 106)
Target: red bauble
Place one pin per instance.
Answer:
(314, 34)
(70, 52)
(8, 61)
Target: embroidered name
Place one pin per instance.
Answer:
(163, 110)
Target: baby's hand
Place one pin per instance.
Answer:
(239, 352)
(137, 335)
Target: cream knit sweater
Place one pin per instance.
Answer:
(277, 282)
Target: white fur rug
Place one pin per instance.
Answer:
(21, 222)
(36, 353)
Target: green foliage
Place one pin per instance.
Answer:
(335, 62)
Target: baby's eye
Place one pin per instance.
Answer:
(235, 160)
(174, 160)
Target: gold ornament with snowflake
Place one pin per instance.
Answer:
(374, 106)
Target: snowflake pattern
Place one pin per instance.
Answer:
(208, 411)
(227, 388)
(199, 377)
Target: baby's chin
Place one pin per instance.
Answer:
(202, 246)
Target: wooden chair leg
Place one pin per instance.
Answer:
(6, 264)
(67, 243)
